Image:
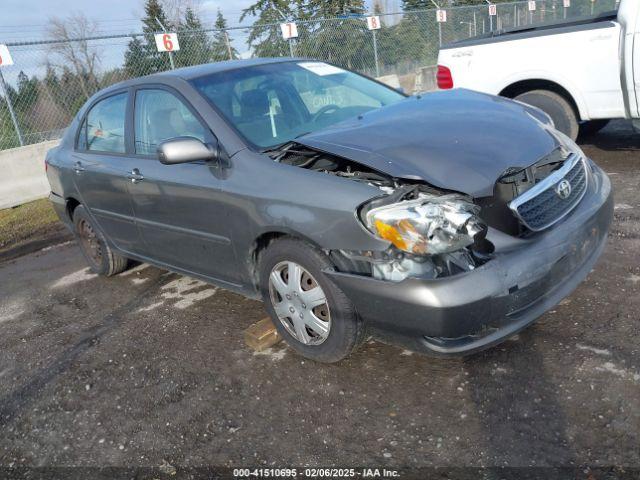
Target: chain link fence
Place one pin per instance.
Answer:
(50, 80)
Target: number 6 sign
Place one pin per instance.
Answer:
(5, 56)
(167, 42)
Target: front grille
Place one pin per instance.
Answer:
(542, 205)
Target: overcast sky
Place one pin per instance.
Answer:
(26, 19)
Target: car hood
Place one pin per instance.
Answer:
(456, 140)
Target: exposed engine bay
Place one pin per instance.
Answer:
(431, 215)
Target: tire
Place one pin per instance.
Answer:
(93, 245)
(557, 107)
(345, 329)
(592, 127)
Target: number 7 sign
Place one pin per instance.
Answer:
(5, 56)
(167, 42)
(289, 30)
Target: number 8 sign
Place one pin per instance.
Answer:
(5, 56)
(373, 23)
(167, 42)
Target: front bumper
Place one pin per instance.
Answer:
(472, 311)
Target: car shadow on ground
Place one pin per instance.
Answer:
(619, 136)
(518, 404)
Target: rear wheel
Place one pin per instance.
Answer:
(310, 312)
(99, 255)
(557, 107)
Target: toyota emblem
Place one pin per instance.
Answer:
(563, 189)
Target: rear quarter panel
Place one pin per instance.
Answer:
(585, 63)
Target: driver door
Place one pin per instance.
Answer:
(178, 208)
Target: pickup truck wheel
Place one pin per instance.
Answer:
(592, 127)
(311, 313)
(554, 105)
(99, 255)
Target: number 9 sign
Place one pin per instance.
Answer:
(5, 56)
(167, 42)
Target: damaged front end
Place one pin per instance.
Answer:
(432, 233)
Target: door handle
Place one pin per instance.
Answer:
(78, 168)
(135, 176)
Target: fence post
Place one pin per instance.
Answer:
(375, 52)
(226, 41)
(290, 47)
(5, 90)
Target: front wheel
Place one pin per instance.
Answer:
(557, 107)
(310, 312)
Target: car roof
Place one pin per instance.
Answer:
(188, 73)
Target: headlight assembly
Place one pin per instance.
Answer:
(430, 224)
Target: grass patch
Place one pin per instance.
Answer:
(25, 222)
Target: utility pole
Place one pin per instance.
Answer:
(170, 53)
(14, 120)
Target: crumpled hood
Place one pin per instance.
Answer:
(457, 140)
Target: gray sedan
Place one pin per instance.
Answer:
(442, 222)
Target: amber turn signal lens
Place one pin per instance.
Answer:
(389, 233)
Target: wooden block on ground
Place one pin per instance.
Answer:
(261, 335)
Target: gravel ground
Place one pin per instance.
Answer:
(149, 368)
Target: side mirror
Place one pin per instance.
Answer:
(184, 150)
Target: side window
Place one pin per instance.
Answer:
(103, 128)
(160, 116)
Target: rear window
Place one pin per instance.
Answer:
(103, 127)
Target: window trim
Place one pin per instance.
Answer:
(126, 91)
(179, 96)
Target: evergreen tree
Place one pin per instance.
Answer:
(408, 5)
(144, 58)
(220, 49)
(136, 62)
(195, 48)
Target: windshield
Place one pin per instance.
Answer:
(275, 103)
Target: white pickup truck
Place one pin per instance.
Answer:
(581, 72)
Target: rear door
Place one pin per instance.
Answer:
(102, 167)
(178, 208)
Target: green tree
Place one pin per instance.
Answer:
(220, 49)
(339, 40)
(136, 62)
(144, 58)
(195, 47)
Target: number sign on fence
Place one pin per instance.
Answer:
(167, 42)
(289, 30)
(5, 56)
(373, 23)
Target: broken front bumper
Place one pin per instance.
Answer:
(472, 311)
